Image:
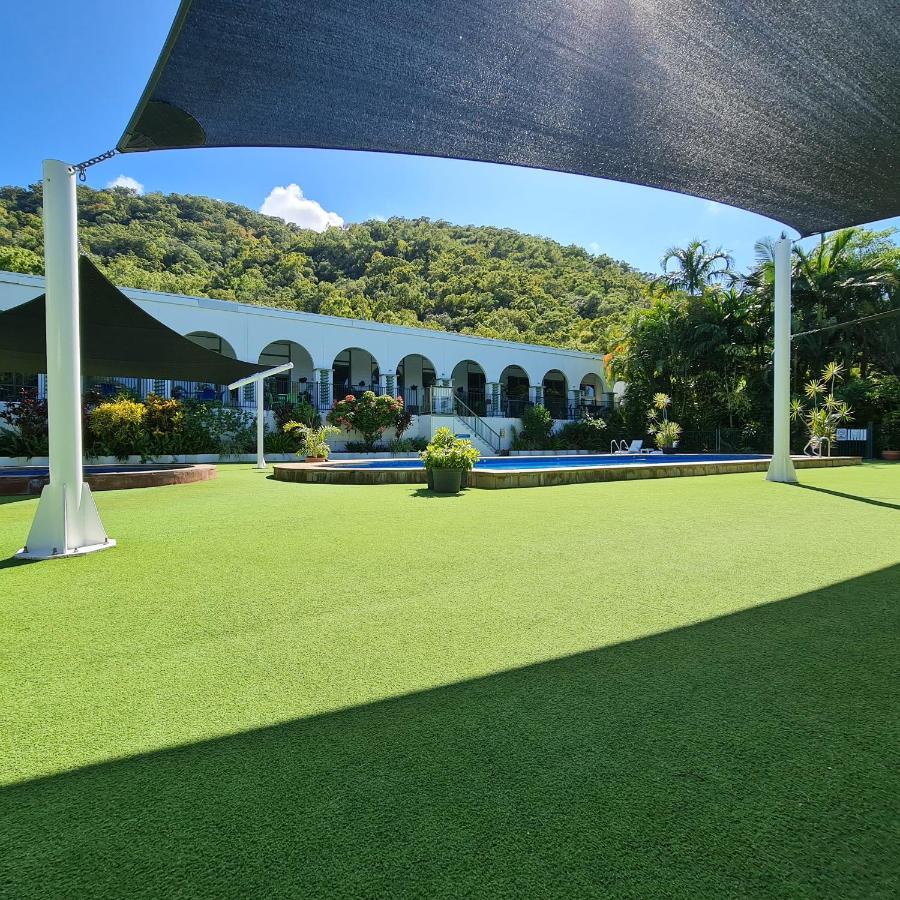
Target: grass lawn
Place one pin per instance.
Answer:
(679, 688)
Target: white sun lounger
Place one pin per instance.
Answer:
(635, 448)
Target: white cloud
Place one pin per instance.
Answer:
(126, 181)
(593, 247)
(288, 203)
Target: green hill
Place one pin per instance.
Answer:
(493, 282)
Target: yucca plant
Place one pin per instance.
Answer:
(826, 412)
(664, 432)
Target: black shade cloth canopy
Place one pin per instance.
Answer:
(789, 109)
(117, 338)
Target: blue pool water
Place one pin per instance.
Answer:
(528, 463)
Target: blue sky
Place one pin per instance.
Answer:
(73, 73)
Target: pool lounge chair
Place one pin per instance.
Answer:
(622, 448)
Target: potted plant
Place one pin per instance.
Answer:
(666, 436)
(446, 458)
(313, 444)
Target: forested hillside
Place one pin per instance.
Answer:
(489, 281)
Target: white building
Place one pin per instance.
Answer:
(439, 374)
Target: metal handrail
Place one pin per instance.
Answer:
(495, 440)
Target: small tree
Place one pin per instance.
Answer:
(368, 414)
(826, 412)
(664, 432)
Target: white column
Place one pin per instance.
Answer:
(324, 387)
(781, 468)
(67, 522)
(492, 389)
(260, 425)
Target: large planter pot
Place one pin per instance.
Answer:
(446, 481)
(316, 459)
(890, 455)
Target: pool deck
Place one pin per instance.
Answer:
(139, 477)
(345, 473)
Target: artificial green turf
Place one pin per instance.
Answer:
(680, 687)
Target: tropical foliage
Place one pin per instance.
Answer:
(124, 426)
(313, 441)
(695, 267)
(711, 351)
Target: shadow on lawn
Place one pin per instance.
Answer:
(748, 755)
(885, 503)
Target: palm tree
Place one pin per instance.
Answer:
(696, 267)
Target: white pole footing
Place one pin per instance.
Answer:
(781, 468)
(67, 522)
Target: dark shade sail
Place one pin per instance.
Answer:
(789, 109)
(117, 338)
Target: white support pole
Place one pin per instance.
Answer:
(257, 382)
(67, 522)
(781, 468)
(260, 426)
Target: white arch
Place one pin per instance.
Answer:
(209, 340)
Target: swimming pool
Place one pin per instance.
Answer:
(575, 461)
(539, 471)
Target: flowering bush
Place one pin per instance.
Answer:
(26, 419)
(368, 414)
(447, 451)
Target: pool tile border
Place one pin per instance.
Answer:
(23, 485)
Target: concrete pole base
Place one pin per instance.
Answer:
(781, 469)
(61, 529)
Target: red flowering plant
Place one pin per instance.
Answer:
(25, 431)
(368, 414)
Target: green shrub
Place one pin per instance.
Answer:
(537, 424)
(408, 445)
(117, 428)
(586, 434)
(213, 428)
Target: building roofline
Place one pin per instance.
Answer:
(233, 306)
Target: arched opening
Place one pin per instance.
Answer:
(354, 371)
(514, 391)
(201, 390)
(294, 384)
(592, 400)
(556, 394)
(468, 381)
(415, 374)
(214, 342)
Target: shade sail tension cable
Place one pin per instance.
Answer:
(872, 318)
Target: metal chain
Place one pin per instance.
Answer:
(82, 166)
